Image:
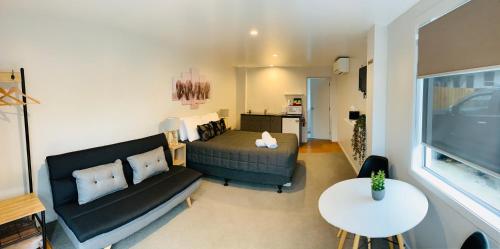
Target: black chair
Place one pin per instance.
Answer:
(371, 164)
(374, 164)
(476, 240)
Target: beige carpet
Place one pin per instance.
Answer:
(247, 216)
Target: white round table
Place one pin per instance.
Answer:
(349, 206)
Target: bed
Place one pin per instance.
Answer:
(234, 156)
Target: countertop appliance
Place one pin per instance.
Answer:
(294, 110)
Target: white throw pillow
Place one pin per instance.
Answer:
(148, 164)
(182, 129)
(98, 181)
(186, 127)
(191, 125)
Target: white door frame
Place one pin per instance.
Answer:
(330, 120)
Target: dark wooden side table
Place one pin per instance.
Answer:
(25, 206)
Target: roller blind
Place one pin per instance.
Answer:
(466, 38)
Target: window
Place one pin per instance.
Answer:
(461, 133)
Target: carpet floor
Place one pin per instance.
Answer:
(246, 216)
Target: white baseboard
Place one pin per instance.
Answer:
(353, 164)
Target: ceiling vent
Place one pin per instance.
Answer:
(341, 65)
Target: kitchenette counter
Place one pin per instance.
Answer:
(274, 114)
(273, 122)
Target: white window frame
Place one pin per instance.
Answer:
(434, 187)
(482, 216)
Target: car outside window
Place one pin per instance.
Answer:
(477, 105)
(461, 133)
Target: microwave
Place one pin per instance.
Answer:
(294, 110)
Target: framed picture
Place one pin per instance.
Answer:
(191, 88)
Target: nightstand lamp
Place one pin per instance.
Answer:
(223, 113)
(171, 127)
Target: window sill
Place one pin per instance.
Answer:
(485, 219)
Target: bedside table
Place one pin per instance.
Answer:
(17, 208)
(178, 153)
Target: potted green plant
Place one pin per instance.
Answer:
(378, 187)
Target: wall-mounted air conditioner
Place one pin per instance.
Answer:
(341, 65)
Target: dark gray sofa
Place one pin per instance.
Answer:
(113, 217)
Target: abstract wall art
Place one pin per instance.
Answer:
(191, 88)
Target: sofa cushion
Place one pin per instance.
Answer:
(99, 181)
(148, 164)
(114, 210)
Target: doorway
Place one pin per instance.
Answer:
(318, 108)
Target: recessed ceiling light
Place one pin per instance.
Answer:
(275, 55)
(254, 32)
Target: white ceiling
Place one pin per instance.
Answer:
(301, 32)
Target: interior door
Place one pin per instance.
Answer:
(319, 109)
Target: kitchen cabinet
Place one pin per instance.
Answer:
(277, 123)
(261, 122)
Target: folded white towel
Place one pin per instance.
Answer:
(260, 143)
(269, 140)
(266, 135)
(271, 143)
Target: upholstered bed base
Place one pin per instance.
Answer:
(111, 237)
(239, 175)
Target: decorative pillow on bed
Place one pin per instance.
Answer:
(189, 126)
(206, 131)
(148, 164)
(98, 181)
(223, 125)
(219, 126)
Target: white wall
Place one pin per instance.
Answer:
(265, 87)
(373, 54)
(376, 89)
(347, 95)
(97, 86)
(447, 224)
(241, 77)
